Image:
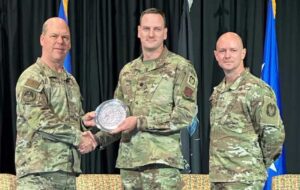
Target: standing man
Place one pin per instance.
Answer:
(160, 89)
(49, 115)
(246, 129)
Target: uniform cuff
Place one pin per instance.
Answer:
(141, 123)
(77, 139)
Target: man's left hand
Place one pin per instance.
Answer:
(89, 119)
(127, 125)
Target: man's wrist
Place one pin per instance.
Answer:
(141, 123)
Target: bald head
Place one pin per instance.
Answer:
(230, 55)
(52, 22)
(230, 36)
(55, 41)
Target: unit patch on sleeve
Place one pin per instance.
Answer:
(28, 95)
(191, 80)
(188, 92)
(271, 110)
(189, 86)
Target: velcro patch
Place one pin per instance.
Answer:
(191, 80)
(32, 83)
(271, 110)
(28, 95)
(188, 86)
(188, 92)
(270, 114)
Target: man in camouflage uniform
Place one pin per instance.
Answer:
(246, 129)
(160, 89)
(49, 112)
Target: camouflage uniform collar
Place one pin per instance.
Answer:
(51, 73)
(222, 86)
(155, 63)
(238, 81)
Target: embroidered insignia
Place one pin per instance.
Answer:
(28, 96)
(188, 92)
(271, 110)
(191, 80)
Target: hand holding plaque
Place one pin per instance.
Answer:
(110, 114)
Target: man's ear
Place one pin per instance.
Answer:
(244, 52)
(165, 33)
(215, 53)
(138, 31)
(42, 37)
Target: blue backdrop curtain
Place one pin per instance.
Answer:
(63, 13)
(270, 74)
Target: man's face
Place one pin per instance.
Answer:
(56, 42)
(230, 53)
(152, 32)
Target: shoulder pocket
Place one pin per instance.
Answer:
(30, 90)
(33, 85)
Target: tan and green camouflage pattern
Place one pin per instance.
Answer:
(162, 93)
(47, 181)
(151, 179)
(252, 185)
(247, 132)
(48, 121)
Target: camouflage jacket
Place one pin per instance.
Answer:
(48, 121)
(246, 130)
(162, 93)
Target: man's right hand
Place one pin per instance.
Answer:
(87, 142)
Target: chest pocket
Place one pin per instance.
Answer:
(128, 85)
(64, 97)
(163, 92)
(74, 99)
(56, 92)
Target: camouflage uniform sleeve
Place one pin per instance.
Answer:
(184, 101)
(103, 138)
(268, 125)
(33, 109)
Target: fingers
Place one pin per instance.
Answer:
(116, 130)
(89, 119)
(120, 128)
(92, 138)
(127, 125)
(88, 143)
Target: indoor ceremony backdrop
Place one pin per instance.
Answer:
(104, 39)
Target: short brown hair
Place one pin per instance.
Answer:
(154, 11)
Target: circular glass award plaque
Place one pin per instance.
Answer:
(110, 114)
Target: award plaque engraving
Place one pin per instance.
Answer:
(110, 114)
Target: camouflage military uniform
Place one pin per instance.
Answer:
(162, 94)
(48, 122)
(47, 181)
(250, 185)
(246, 130)
(152, 177)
